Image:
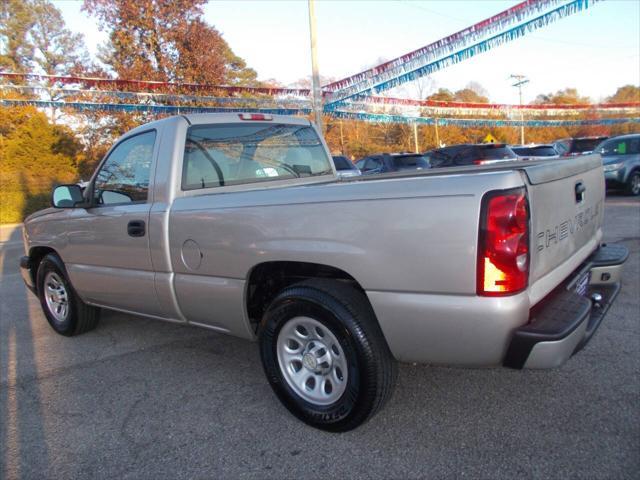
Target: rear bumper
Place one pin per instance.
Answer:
(25, 271)
(564, 322)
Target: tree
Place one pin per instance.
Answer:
(478, 88)
(16, 20)
(35, 39)
(628, 93)
(442, 95)
(34, 155)
(469, 95)
(166, 41)
(568, 96)
(58, 51)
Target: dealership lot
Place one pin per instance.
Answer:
(142, 399)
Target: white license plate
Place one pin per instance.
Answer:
(583, 283)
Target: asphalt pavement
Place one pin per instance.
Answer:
(142, 399)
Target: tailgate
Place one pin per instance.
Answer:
(566, 199)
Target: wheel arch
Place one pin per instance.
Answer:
(36, 254)
(265, 280)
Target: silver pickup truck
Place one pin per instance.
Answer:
(239, 224)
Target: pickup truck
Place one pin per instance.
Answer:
(229, 222)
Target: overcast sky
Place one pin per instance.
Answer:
(595, 51)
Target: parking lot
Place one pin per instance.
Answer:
(142, 399)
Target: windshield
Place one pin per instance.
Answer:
(494, 152)
(343, 163)
(410, 161)
(231, 154)
(540, 151)
(581, 145)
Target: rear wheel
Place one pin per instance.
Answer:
(633, 184)
(325, 356)
(65, 312)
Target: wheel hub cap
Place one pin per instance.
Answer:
(312, 360)
(56, 298)
(316, 358)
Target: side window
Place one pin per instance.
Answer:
(634, 146)
(372, 164)
(439, 158)
(464, 156)
(561, 147)
(621, 148)
(360, 164)
(124, 176)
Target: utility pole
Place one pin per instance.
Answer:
(435, 124)
(520, 81)
(415, 136)
(315, 75)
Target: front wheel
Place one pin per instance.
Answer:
(633, 184)
(325, 356)
(65, 311)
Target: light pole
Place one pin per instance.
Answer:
(315, 75)
(520, 81)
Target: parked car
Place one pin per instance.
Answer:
(471, 154)
(621, 160)
(392, 162)
(571, 147)
(345, 167)
(535, 151)
(236, 223)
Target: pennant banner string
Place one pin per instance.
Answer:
(414, 69)
(147, 97)
(154, 85)
(367, 102)
(476, 122)
(147, 108)
(453, 42)
(362, 116)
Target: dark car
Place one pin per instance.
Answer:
(471, 154)
(392, 162)
(535, 151)
(345, 167)
(570, 147)
(621, 160)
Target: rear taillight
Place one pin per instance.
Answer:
(503, 246)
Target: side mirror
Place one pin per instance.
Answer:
(66, 196)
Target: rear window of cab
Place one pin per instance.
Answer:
(219, 155)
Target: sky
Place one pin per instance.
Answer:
(595, 51)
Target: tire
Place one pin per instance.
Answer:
(348, 353)
(65, 312)
(633, 184)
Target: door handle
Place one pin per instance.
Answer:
(136, 228)
(580, 189)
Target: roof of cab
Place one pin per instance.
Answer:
(236, 117)
(208, 118)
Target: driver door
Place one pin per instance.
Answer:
(107, 254)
